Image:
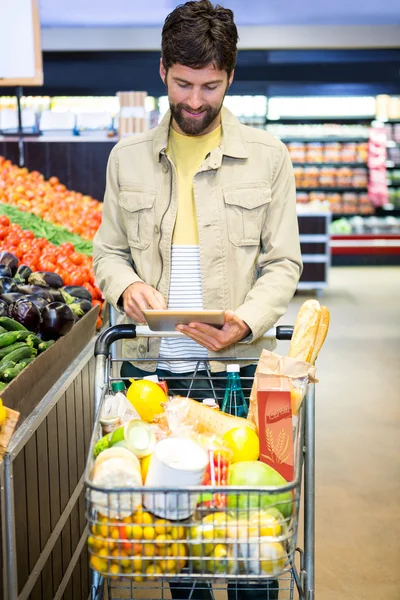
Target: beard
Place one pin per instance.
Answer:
(194, 125)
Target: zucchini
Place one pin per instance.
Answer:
(27, 361)
(6, 339)
(2, 385)
(33, 340)
(44, 345)
(3, 330)
(11, 325)
(12, 372)
(17, 355)
(8, 349)
(8, 364)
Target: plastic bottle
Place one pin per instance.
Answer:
(118, 386)
(234, 402)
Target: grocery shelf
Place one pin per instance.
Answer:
(374, 244)
(323, 139)
(332, 189)
(321, 121)
(330, 164)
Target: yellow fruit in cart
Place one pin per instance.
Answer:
(178, 532)
(273, 558)
(162, 526)
(94, 543)
(168, 566)
(142, 517)
(3, 413)
(144, 466)
(114, 571)
(163, 540)
(152, 571)
(98, 564)
(243, 443)
(149, 533)
(264, 525)
(149, 550)
(128, 519)
(114, 533)
(134, 532)
(138, 564)
(138, 577)
(147, 398)
(181, 552)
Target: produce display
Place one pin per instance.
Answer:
(49, 200)
(35, 306)
(309, 177)
(184, 488)
(328, 152)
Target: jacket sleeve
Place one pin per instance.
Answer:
(279, 263)
(112, 261)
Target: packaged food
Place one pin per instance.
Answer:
(216, 472)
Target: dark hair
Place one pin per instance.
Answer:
(197, 34)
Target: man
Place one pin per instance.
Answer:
(199, 213)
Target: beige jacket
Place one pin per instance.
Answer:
(248, 232)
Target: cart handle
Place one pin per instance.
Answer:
(128, 331)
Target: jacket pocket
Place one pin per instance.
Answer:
(138, 210)
(245, 212)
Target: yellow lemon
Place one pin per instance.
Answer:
(3, 414)
(144, 466)
(98, 564)
(141, 517)
(138, 577)
(273, 558)
(149, 533)
(264, 525)
(162, 526)
(168, 566)
(178, 532)
(114, 571)
(149, 550)
(181, 552)
(135, 532)
(243, 443)
(147, 398)
(162, 540)
(152, 571)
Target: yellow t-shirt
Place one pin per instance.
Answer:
(187, 153)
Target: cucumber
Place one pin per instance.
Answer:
(19, 354)
(12, 372)
(44, 345)
(10, 337)
(11, 325)
(8, 349)
(3, 330)
(8, 364)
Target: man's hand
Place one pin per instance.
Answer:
(140, 296)
(234, 330)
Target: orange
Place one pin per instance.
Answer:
(147, 398)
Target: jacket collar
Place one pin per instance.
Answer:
(233, 144)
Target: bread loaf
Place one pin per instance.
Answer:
(321, 333)
(305, 331)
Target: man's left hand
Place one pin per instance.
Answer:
(234, 330)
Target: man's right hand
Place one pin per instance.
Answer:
(140, 296)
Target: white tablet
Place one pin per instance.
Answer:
(167, 320)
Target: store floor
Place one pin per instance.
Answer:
(358, 437)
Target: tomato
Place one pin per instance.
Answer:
(76, 258)
(3, 233)
(99, 323)
(76, 278)
(90, 289)
(67, 247)
(4, 221)
(12, 239)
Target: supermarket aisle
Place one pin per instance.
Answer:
(358, 418)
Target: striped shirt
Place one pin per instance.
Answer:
(185, 293)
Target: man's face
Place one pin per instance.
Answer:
(195, 97)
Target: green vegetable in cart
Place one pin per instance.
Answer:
(10, 374)
(24, 352)
(255, 473)
(8, 349)
(6, 339)
(8, 364)
(136, 435)
(44, 345)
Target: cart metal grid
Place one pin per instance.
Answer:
(245, 564)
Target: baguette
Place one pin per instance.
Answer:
(203, 418)
(305, 331)
(321, 333)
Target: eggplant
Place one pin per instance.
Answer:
(23, 273)
(78, 291)
(8, 285)
(26, 313)
(5, 271)
(81, 307)
(12, 297)
(37, 291)
(3, 308)
(37, 300)
(46, 279)
(57, 295)
(57, 320)
(9, 260)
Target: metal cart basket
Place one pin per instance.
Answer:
(243, 544)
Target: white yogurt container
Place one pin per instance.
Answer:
(175, 463)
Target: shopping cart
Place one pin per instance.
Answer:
(216, 549)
